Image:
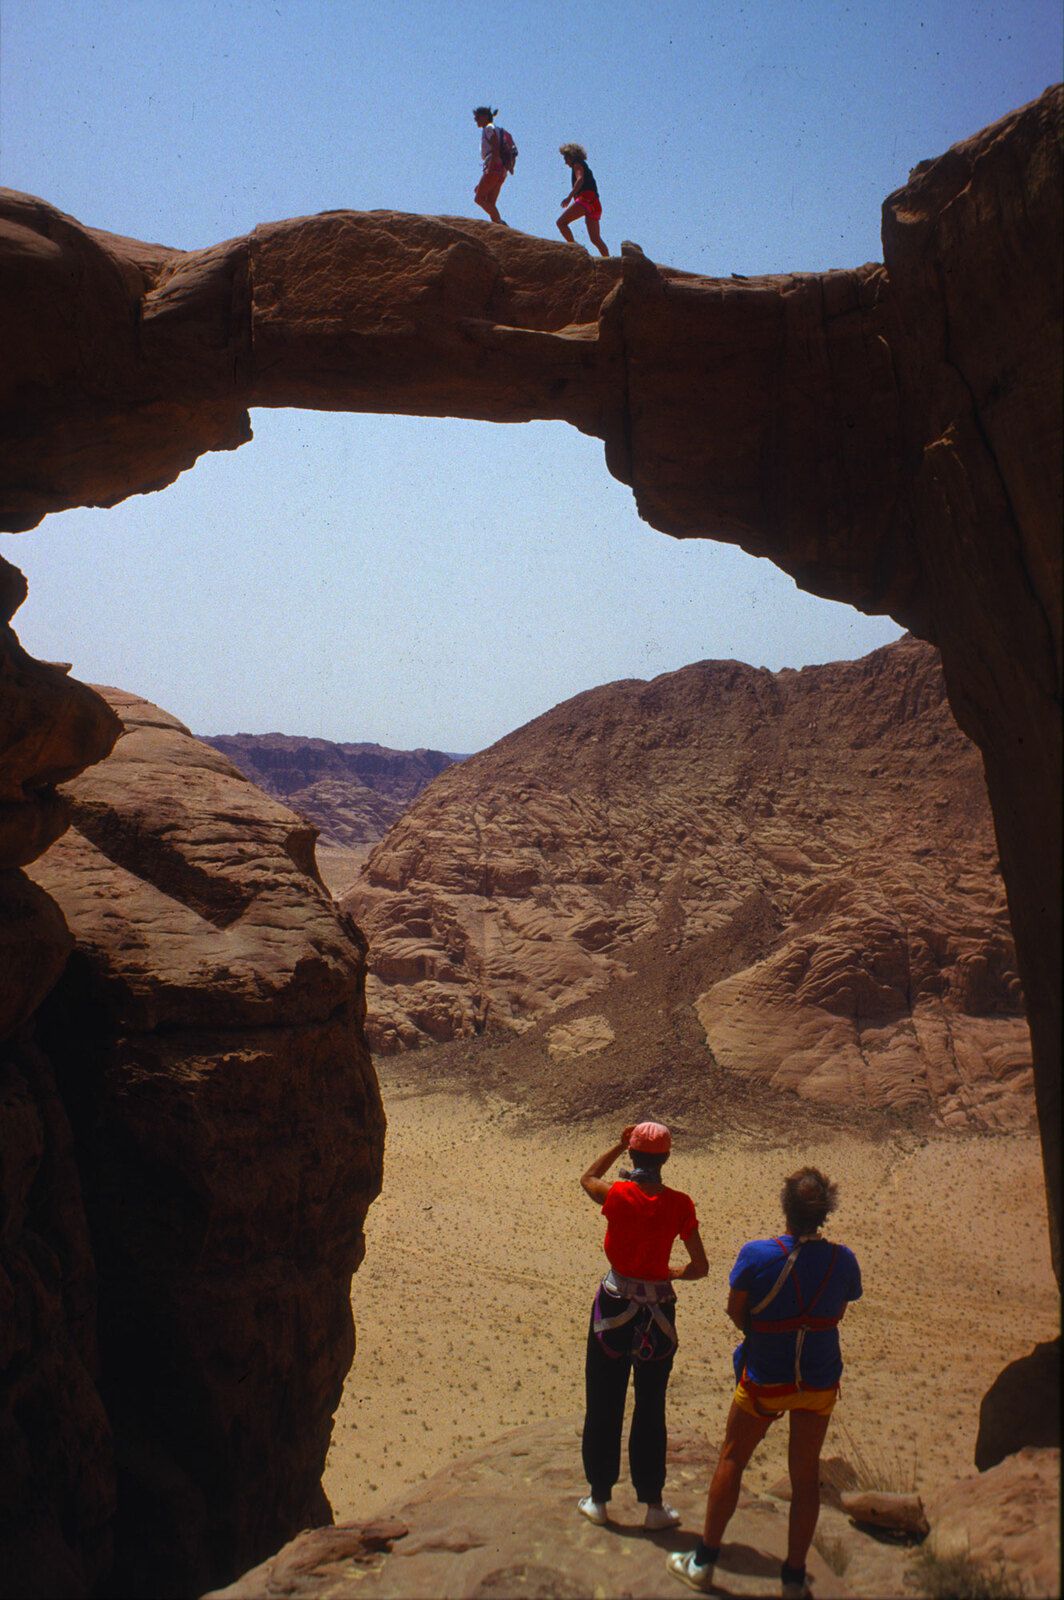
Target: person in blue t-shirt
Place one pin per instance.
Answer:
(787, 1296)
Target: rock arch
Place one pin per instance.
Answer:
(888, 435)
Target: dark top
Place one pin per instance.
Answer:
(770, 1357)
(587, 181)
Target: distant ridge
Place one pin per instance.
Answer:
(353, 793)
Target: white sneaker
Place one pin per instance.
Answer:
(661, 1517)
(682, 1565)
(594, 1510)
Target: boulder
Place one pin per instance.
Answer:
(1021, 1407)
(1007, 1517)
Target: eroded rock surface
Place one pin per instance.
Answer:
(58, 1475)
(207, 1039)
(1007, 1517)
(503, 1522)
(626, 825)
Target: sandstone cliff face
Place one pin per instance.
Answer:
(637, 819)
(207, 1039)
(58, 1469)
(887, 435)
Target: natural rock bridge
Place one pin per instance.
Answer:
(887, 435)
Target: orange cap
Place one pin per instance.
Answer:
(654, 1137)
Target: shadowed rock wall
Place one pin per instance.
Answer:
(208, 1041)
(57, 1480)
(190, 1135)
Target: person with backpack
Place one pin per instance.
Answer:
(498, 153)
(633, 1320)
(787, 1296)
(582, 199)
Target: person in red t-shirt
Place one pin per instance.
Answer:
(633, 1320)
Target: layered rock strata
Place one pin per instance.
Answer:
(620, 829)
(888, 435)
(58, 1497)
(207, 1039)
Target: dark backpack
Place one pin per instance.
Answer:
(504, 144)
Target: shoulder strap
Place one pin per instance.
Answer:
(781, 1280)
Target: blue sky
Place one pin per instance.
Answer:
(440, 582)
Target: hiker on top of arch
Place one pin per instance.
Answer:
(582, 199)
(633, 1319)
(498, 153)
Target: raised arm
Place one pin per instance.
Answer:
(592, 1180)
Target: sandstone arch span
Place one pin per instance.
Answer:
(888, 435)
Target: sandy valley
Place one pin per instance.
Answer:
(482, 1255)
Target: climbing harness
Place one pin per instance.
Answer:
(805, 1322)
(654, 1335)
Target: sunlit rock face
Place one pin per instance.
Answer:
(207, 1039)
(59, 1480)
(611, 835)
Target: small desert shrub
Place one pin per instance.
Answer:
(881, 1470)
(834, 1551)
(958, 1577)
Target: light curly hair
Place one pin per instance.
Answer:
(807, 1199)
(572, 152)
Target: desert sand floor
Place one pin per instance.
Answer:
(483, 1254)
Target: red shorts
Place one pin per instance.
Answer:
(590, 204)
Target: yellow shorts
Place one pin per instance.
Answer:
(750, 1396)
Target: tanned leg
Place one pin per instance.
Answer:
(486, 194)
(564, 220)
(803, 1462)
(595, 236)
(741, 1437)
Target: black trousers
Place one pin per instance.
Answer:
(606, 1385)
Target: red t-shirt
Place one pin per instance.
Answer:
(641, 1227)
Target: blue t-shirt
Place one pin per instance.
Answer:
(769, 1357)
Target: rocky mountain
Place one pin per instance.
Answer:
(808, 853)
(351, 792)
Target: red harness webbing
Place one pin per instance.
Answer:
(804, 1319)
